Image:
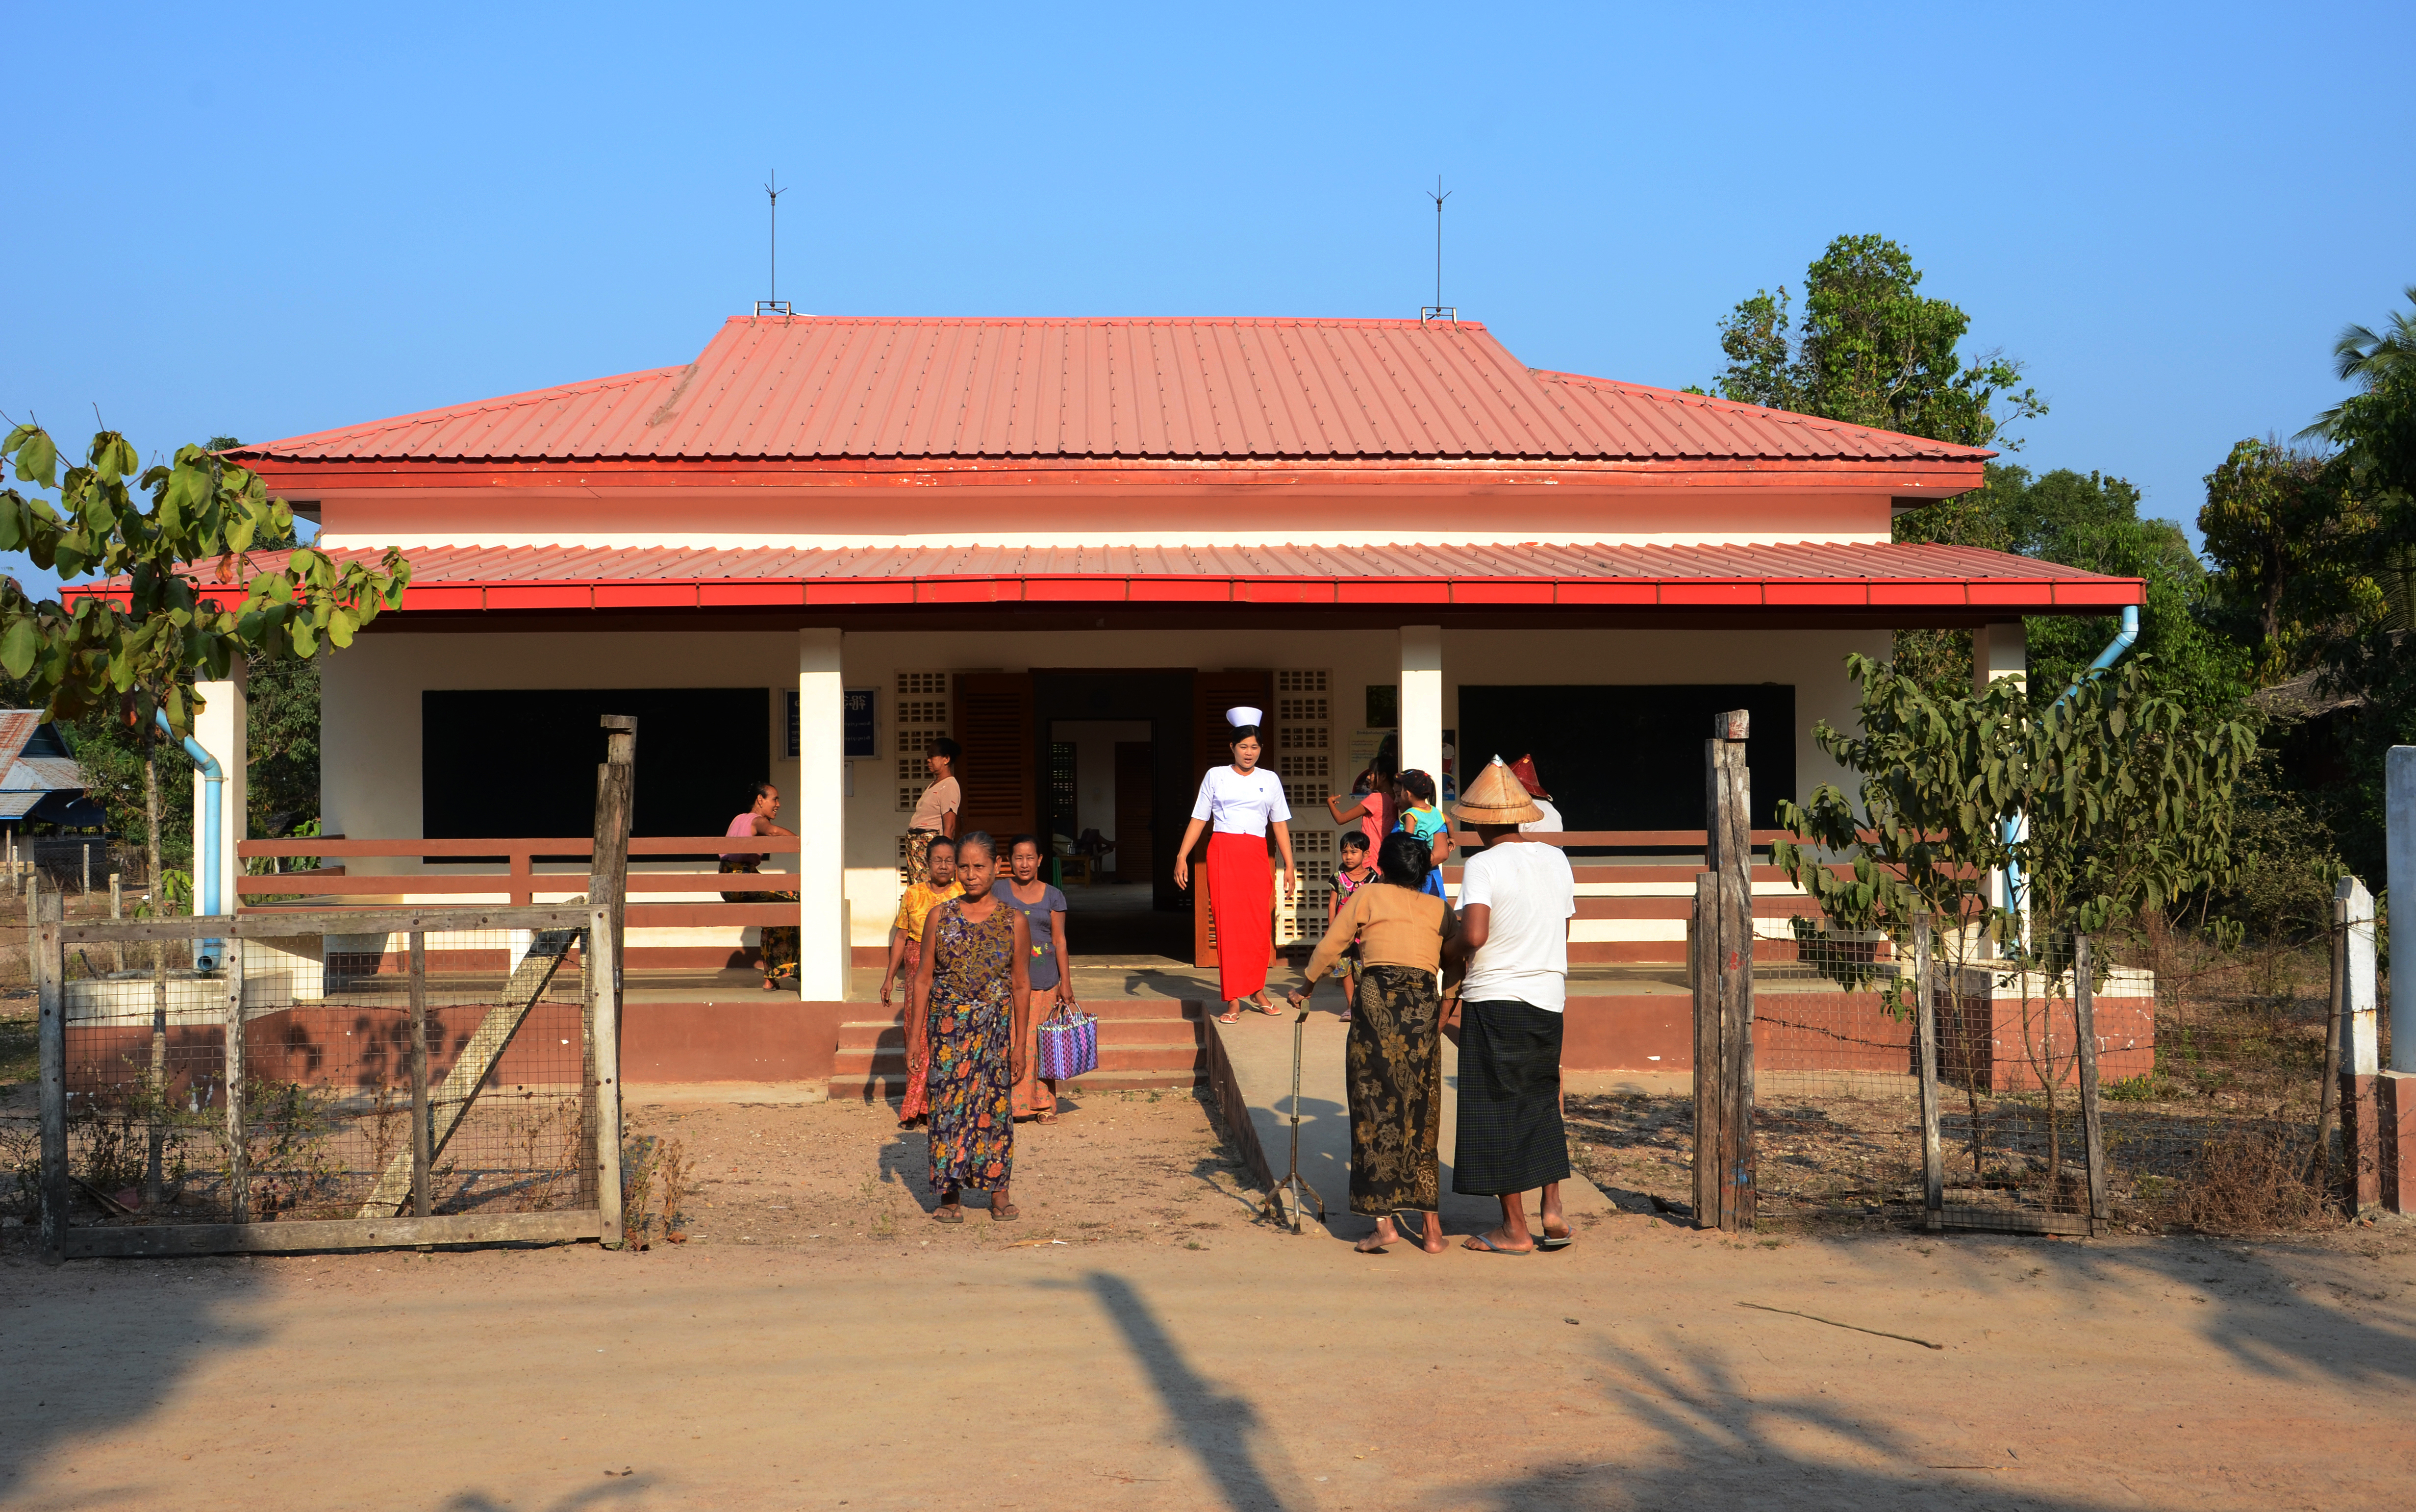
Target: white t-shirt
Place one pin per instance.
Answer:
(1532, 894)
(1548, 824)
(1239, 805)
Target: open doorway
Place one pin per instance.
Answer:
(1116, 784)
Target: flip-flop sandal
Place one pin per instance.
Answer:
(1271, 1010)
(1005, 1215)
(949, 1215)
(1230, 1016)
(1555, 1241)
(1048, 1118)
(1478, 1242)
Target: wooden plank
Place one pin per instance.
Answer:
(606, 1056)
(568, 848)
(475, 1064)
(296, 1235)
(423, 1155)
(1705, 973)
(42, 911)
(445, 884)
(292, 924)
(1933, 1153)
(238, 1146)
(2014, 1220)
(2093, 1127)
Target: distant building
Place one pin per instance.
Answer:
(40, 784)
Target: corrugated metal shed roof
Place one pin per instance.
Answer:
(33, 760)
(1810, 574)
(827, 389)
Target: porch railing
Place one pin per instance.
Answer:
(509, 868)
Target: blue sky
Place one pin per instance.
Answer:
(260, 222)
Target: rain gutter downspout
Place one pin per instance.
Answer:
(2017, 829)
(206, 883)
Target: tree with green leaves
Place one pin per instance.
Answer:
(2109, 800)
(141, 651)
(1872, 350)
(2287, 533)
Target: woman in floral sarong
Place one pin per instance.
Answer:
(781, 941)
(966, 988)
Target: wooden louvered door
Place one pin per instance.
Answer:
(994, 723)
(1212, 694)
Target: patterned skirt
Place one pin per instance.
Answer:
(781, 941)
(971, 1086)
(1393, 1063)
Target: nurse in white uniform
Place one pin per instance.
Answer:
(1241, 803)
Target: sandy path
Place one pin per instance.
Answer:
(1125, 1368)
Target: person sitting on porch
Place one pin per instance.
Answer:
(965, 992)
(1419, 817)
(1516, 899)
(1043, 908)
(1245, 804)
(935, 812)
(905, 955)
(780, 941)
(1524, 770)
(1393, 1061)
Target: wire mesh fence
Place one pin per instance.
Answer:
(317, 1070)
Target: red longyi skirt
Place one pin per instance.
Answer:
(1240, 895)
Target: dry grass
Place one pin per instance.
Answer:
(2253, 1181)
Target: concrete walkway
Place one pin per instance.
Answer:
(1258, 1051)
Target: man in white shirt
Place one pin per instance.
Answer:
(1516, 899)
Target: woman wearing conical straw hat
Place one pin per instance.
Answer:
(1517, 896)
(1244, 802)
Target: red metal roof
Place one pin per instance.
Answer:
(826, 388)
(1807, 574)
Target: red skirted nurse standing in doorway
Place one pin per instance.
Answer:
(1244, 803)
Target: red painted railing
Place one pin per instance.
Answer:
(512, 868)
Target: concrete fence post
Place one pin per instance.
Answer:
(2360, 1132)
(2395, 1086)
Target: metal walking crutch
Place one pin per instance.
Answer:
(1301, 1190)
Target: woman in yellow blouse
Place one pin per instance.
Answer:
(1392, 1060)
(905, 954)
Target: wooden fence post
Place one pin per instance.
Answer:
(2092, 1125)
(422, 1132)
(1933, 1156)
(1727, 855)
(43, 912)
(608, 880)
(1703, 969)
(605, 1056)
(238, 1146)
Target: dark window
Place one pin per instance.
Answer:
(1063, 808)
(1632, 757)
(523, 763)
(1384, 706)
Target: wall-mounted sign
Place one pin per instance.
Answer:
(858, 708)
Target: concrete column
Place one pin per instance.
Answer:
(1422, 700)
(2361, 1130)
(222, 725)
(819, 818)
(2000, 651)
(2399, 795)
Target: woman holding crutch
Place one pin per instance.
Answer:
(1244, 802)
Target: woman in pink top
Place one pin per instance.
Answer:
(780, 941)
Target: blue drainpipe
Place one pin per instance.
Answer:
(2016, 828)
(205, 881)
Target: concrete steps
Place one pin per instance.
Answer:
(1145, 1044)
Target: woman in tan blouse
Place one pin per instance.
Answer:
(1392, 1060)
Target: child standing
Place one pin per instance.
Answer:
(1420, 817)
(1354, 874)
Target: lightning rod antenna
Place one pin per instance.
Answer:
(774, 305)
(1438, 310)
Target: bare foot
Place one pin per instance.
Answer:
(1374, 1244)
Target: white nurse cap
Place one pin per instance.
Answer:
(1242, 714)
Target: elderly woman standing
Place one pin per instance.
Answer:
(1244, 804)
(966, 990)
(1392, 1060)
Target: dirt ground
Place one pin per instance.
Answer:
(819, 1343)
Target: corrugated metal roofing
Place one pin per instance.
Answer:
(31, 763)
(1809, 574)
(828, 388)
